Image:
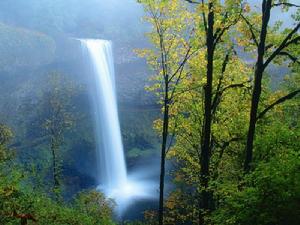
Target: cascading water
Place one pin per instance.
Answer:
(112, 167)
(110, 151)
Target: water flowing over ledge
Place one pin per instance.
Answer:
(112, 173)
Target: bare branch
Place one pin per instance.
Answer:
(296, 40)
(223, 147)
(171, 41)
(180, 70)
(269, 46)
(221, 92)
(220, 32)
(186, 57)
(251, 28)
(193, 2)
(285, 43)
(235, 85)
(176, 83)
(182, 91)
(286, 4)
(290, 56)
(172, 137)
(279, 101)
(217, 95)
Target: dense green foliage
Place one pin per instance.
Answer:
(19, 200)
(230, 169)
(270, 194)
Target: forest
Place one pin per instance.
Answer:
(150, 112)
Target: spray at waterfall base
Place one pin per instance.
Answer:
(131, 191)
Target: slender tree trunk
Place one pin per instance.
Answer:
(23, 221)
(55, 172)
(205, 146)
(259, 70)
(56, 184)
(163, 154)
(24, 218)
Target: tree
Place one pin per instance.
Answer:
(228, 130)
(57, 120)
(216, 38)
(172, 31)
(5, 137)
(217, 19)
(9, 177)
(267, 50)
(209, 110)
(270, 193)
(21, 204)
(94, 204)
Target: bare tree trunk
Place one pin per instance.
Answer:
(56, 181)
(24, 218)
(163, 154)
(259, 70)
(23, 221)
(205, 146)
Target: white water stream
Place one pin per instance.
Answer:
(111, 172)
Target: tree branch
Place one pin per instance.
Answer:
(184, 90)
(285, 43)
(294, 41)
(221, 92)
(290, 56)
(223, 147)
(220, 32)
(217, 95)
(172, 137)
(193, 2)
(251, 28)
(279, 101)
(286, 4)
(176, 83)
(186, 57)
(204, 18)
(235, 85)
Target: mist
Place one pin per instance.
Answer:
(75, 18)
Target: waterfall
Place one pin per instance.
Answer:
(112, 169)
